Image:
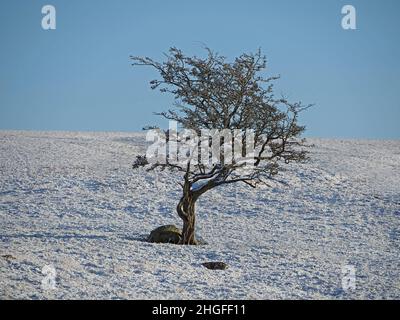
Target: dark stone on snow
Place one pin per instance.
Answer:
(215, 265)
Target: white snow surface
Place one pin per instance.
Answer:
(72, 201)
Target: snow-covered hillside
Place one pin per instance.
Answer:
(71, 200)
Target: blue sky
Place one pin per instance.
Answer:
(78, 77)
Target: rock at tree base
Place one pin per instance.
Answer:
(215, 265)
(165, 234)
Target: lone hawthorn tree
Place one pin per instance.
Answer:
(214, 94)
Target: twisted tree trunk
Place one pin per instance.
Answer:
(186, 211)
(186, 207)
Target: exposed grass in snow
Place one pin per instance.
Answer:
(71, 200)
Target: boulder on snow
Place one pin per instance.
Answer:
(165, 234)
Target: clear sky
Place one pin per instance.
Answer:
(78, 77)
